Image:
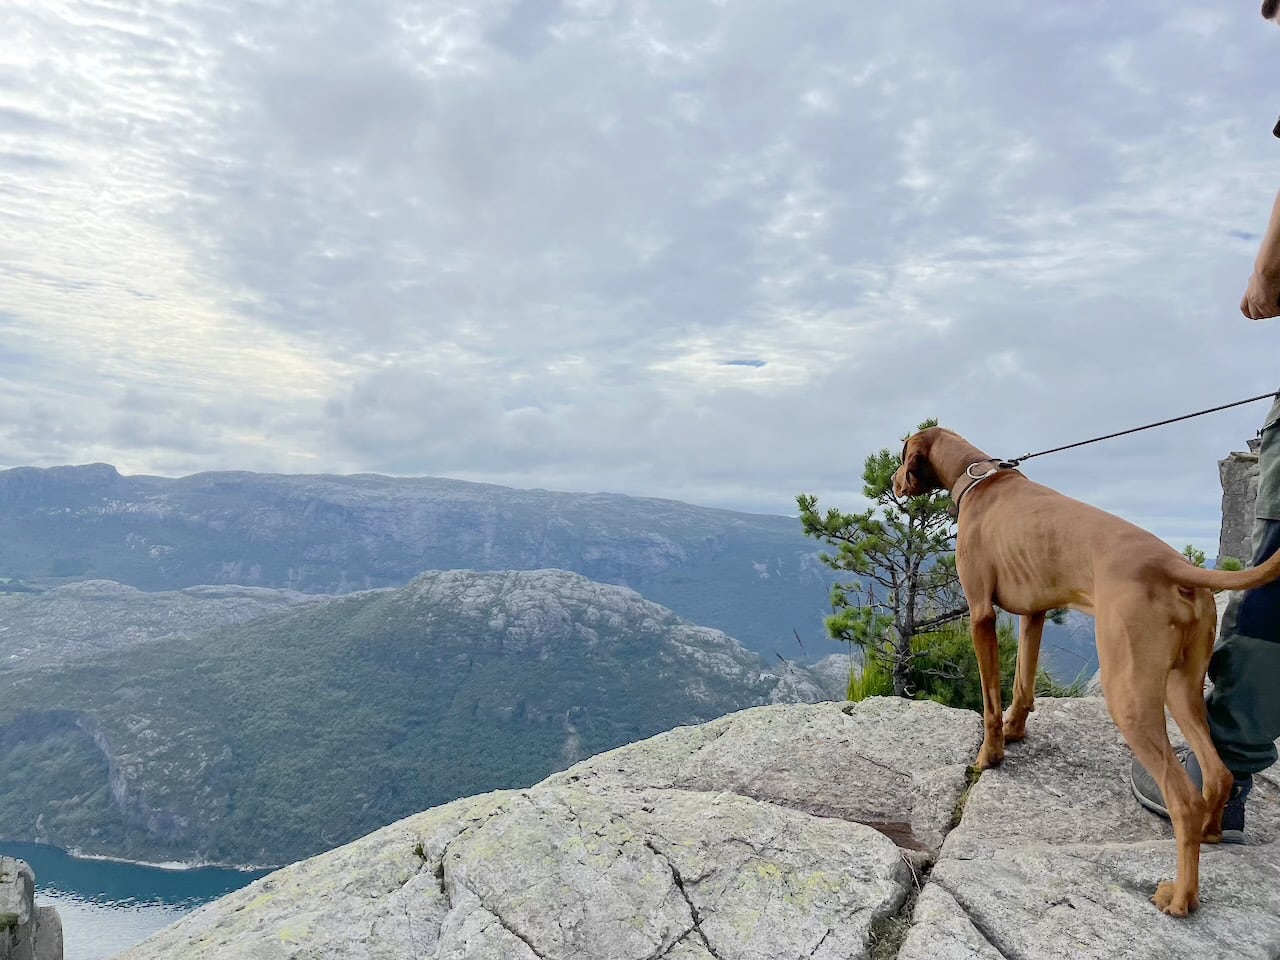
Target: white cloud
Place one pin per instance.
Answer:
(520, 241)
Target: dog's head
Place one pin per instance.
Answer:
(916, 476)
(1270, 9)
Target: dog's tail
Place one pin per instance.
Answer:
(1189, 576)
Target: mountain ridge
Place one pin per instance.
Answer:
(755, 576)
(273, 738)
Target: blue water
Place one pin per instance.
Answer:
(107, 907)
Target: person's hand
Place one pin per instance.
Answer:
(1262, 297)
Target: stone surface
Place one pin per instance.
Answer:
(1054, 859)
(570, 872)
(1085, 900)
(1239, 476)
(17, 885)
(941, 930)
(734, 839)
(747, 837)
(27, 932)
(1068, 782)
(48, 935)
(895, 764)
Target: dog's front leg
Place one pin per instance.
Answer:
(1024, 684)
(982, 621)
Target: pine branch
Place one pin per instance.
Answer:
(926, 626)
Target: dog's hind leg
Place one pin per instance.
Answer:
(1184, 692)
(1135, 694)
(1024, 684)
(1186, 703)
(986, 646)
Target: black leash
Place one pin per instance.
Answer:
(1149, 426)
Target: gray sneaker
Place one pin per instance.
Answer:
(1148, 793)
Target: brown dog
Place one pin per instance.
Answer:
(1028, 549)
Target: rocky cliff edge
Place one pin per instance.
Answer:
(809, 831)
(27, 932)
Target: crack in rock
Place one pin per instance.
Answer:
(503, 923)
(884, 766)
(818, 946)
(997, 942)
(666, 951)
(694, 913)
(512, 930)
(438, 869)
(413, 940)
(728, 725)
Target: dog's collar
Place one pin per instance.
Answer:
(975, 479)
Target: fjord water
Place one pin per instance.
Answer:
(108, 906)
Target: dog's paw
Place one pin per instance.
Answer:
(1014, 723)
(989, 757)
(1172, 903)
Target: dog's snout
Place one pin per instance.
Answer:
(900, 481)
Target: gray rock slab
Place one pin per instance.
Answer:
(48, 934)
(16, 889)
(941, 930)
(1053, 858)
(569, 872)
(1068, 782)
(896, 765)
(749, 838)
(1081, 902)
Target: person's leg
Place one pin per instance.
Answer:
(1244, 708)
(1244, 711)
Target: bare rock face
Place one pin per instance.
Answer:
(1239, 475)
(822, 830)
(1055, 859)
(896, 765)
(740, 838)
(27, 932)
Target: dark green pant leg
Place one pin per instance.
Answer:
(1244, 705)
(1244, 708)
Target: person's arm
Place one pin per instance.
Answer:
(1262, 296)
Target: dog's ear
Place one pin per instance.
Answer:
(1270, 8)
(907, 478)
(916, 472)
(914, 467)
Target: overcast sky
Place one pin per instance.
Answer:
(714, 250)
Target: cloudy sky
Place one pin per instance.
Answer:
(715, 250)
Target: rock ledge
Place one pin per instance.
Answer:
(781, 831)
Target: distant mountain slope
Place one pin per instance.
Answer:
(754, 576)
(283, 736)
(84, 619)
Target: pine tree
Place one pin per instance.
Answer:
(902, 552)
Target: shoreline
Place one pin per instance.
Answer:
(170, 866)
